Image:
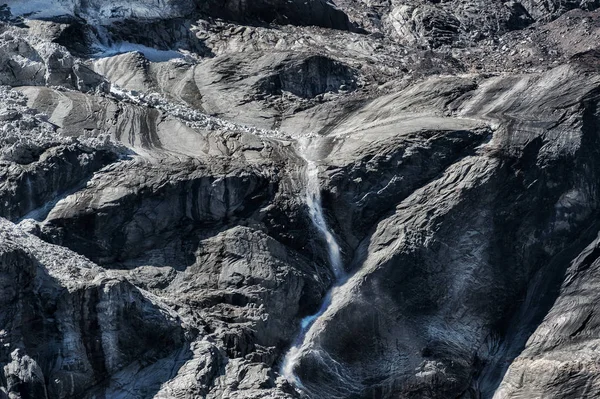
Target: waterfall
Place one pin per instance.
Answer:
(29, 194)
(315, 208)
(313, 200)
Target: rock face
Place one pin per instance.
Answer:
(560, 349)
(79, 331)
(463, 223)
(27, 61)
(156, 237)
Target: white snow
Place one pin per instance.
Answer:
(39, 8)
(99, 14)
(99, 11)
(150, 53)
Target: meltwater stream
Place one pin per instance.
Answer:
(313, 201)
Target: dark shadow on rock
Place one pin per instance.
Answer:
(34, 188)
(48, 320)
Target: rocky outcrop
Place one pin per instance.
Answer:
(403, 194)
(58, 171)
(310, 77)
(552, 9)
(420, 337)
(38, 165)
(560, 351)
(100, 11)
(67, 324)
(145, 211)
(27, 61)
(312, 12)
(428, 24)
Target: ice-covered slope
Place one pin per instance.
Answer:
(100, 11)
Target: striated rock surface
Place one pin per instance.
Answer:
(450, 248)
(177, 178)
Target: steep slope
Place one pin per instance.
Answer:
(296, 199)
(68, 324)
(463, 247)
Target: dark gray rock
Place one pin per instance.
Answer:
(25, 60)
(71, 324)
(310, 77)
(24, 377)
(551, 9)
(449, 289)
(145, 211)
(55, 173)
(560, 351)
(305, 13)
(179, 247)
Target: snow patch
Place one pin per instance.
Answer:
(39, 8)
(150, 53)
(98, 11)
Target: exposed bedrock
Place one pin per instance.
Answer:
(445, 260)
(456, 23)
(145, 211)
(304, 13)
(362, 192)
(312, 12)
(560, 351)
(98, 28)
(249, 88)
(26, 60)
(161, 234)
(60, 336)
(57, 172)
(38, 165)
(309, 77)
(451, 177)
